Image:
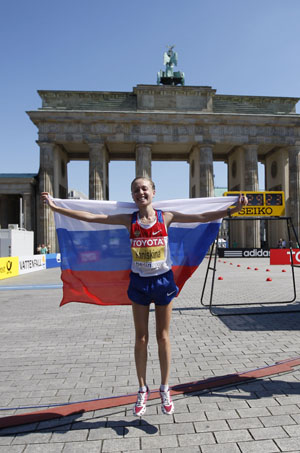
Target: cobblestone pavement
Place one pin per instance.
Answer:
(51, 355)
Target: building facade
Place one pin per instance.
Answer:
(18, 199)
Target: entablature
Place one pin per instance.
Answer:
(84, 127)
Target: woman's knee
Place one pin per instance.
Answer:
(162, 337)
(142, 339)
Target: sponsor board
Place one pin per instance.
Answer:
(243, 253)
(261, 204)
(31, 263)
(260, 211)
(283, 256)
(53, 260)
(9, 267)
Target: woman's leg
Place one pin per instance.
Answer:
(163, 317)
(141, 317)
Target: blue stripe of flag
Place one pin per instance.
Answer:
(109, 250)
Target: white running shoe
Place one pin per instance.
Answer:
(167, 405)
(139, 408)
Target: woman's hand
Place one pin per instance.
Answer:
(243, 201)
(47, 200)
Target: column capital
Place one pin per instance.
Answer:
(47, 150)
(98, 151)
(250, 146)
(46, 145)
(203, 146)
(294, 149)
(43, 142)
(143, 145)
(96, 145)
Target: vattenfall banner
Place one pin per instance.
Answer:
(9, 267)
(31, 263)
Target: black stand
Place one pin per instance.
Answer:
(212, 266)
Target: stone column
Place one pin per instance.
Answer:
(98, 172)
(143, 160)
(46, 225)
(277, 178)
(250, 167)
(206, 171)
(293, 207)
(60, 173)
(252, 228)
(201, 171)
(27, 210)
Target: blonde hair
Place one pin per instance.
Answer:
(146, 179)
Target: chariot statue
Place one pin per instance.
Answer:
(169, 76)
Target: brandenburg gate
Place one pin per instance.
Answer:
(168, 123)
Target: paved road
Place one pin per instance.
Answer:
(52, 355)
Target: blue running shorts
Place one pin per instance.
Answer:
(160, 289)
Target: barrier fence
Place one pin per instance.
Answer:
(11, 266)
(289, 256)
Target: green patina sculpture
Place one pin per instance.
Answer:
(169, 77)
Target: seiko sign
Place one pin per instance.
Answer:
(243, 253)
(256, 211)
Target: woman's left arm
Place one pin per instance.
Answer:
(204, 217)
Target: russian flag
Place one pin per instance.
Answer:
(96, 258)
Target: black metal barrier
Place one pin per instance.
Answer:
(212, 266)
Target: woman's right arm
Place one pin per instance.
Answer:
(118, 219)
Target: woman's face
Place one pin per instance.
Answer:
(142, 192)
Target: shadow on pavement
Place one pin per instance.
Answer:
(262, 322)
(67, 424)
(257, 389)
(265, 318)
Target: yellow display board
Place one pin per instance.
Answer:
(9, 267)
(261, 204)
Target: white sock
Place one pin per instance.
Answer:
(143, 389)
(164, 388)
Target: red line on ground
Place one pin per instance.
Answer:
(79, 408)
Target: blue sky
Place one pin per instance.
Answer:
(247, 47)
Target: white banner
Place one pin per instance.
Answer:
(31, 263)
